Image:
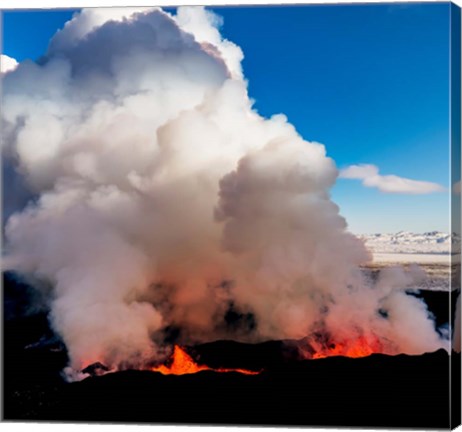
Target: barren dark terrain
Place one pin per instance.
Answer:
(379, 390)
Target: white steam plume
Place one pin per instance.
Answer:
(161, 198)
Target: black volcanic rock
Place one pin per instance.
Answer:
(95, 369)
(230, 354)
(379, 390)
(375, 391)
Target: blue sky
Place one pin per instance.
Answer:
(371, 82)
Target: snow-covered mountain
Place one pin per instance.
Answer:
(404, 242)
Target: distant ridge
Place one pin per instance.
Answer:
(405, 242)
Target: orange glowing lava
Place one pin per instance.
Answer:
(182, 364)
(355, 348)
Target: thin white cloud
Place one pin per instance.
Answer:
(7, 63)
(369, 174)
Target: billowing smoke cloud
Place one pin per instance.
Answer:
(158, 198)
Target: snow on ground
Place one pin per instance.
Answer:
(404, 242)
(432, 247)
(404, 258)
(430, 250)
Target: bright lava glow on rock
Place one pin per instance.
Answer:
(182, 364)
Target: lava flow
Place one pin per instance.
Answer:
(182, 364)
(359, 347)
